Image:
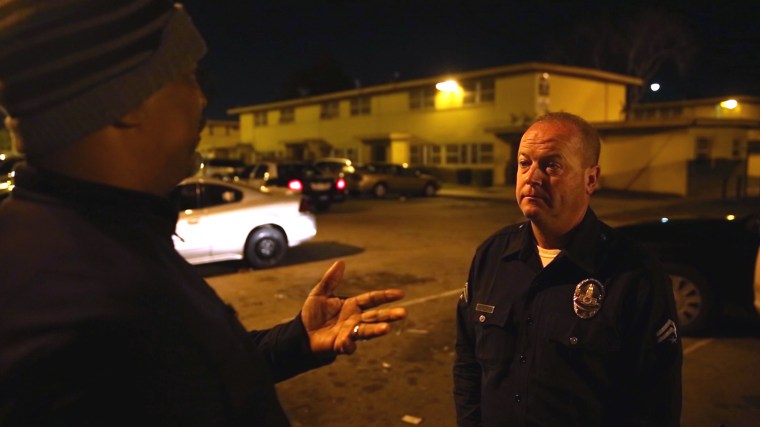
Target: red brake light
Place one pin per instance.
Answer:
(295, 185)
(340, 184)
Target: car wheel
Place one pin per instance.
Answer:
(265, 247)
(694, 300)
(380, 191)
(429, 190)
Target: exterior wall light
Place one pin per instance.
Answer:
(447, 86)
(729, 104)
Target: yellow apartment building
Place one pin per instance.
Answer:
(466, 126)
(221, 138)
(704, 147)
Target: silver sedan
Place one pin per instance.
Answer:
(221, 221)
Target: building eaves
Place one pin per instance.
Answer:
(522, 68)
(746, 99)
(669, 124)
(644, 125)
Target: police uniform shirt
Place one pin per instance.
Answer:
(589, 340)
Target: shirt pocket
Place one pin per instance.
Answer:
(589, 336)
(495, 336)
(583, 350)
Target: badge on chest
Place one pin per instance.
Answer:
(588, 298)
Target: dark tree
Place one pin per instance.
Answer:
(628, 41)
(323, 76)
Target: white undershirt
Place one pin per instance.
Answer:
(547, 255)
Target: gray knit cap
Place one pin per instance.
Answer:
(71, 67)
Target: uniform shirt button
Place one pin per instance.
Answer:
(530, 321)
(482, 318)
(573, 340)
(523, 359)
(518, 398)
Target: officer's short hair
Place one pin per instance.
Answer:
(590, 138)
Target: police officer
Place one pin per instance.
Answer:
(562, 321)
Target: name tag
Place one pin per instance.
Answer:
(484, 308)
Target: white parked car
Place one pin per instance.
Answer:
(222, 221)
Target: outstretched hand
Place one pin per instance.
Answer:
(334, 324)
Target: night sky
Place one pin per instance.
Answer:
(256, 46)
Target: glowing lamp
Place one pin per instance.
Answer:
(447, 86)
(729, 104)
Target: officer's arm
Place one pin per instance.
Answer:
(657, 380)
(466, 369)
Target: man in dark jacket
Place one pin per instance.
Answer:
(562, 321)
(102, 322)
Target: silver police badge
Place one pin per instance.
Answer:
(588, 297)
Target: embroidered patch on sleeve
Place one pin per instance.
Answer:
(667, 332)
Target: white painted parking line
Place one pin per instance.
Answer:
(697, 345)
(690, 349)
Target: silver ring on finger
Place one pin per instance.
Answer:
(355, 332)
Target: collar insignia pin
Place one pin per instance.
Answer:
(588, 297)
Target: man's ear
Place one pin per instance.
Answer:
(592, 179)
(128, 121)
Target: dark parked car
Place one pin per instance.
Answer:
(224, 169)
(8, 165)
(318, 189)
(340, 167)
(712, 263)
(380, 179)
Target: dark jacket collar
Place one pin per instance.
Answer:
(97, 201)
(581, 249)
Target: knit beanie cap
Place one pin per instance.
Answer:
(71, 67)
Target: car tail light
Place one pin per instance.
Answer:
(340, 184)
(295, 185)
(304, 206)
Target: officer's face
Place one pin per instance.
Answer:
(554, 185)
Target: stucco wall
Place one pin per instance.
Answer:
(647, 163)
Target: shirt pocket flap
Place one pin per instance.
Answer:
(488, 315)
(597, 337)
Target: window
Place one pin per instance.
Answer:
(260, 118)
(360, 106)
(416, 154)
(478, 91)
(329, 110)
(198, 196)
(737, 150)
(484, 153)
(215, 195)
(422, 98)
(287, 115)
(435, 155)
(703, 148)
(425, 154)
(453, 155)
(469, 153)
(348, 153)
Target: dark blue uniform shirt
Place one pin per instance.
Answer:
(526, 355)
